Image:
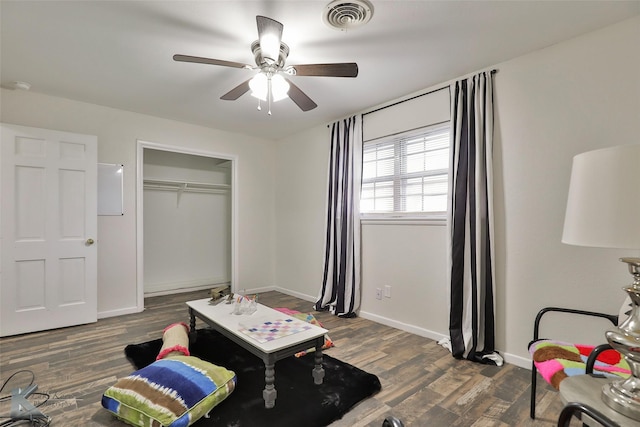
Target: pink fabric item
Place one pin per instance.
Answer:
(175, 341)
(548, 368)
(177, 348)
(176, 324)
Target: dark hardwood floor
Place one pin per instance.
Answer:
(421, 383)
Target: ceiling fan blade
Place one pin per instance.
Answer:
(300, 98)
(236, 92)
(269, 36)
(199, 60)
(347, 69)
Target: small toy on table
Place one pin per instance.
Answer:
(245, 305)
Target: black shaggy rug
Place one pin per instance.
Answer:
(299, 402)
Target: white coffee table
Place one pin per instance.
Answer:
(221, 318)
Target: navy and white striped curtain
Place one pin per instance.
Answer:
(340, 291)
(471, 317)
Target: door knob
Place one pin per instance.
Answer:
(90, 242)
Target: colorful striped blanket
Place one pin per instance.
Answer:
(556, 360)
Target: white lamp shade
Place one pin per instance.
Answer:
(259, 85)
(279, 87)
(603, 206)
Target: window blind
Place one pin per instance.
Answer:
(406, 173)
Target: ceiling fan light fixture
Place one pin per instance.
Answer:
(269, 87)
(259, 85)
(261, 60)
(269, 36)
(270, 54)
(270, 46)
(347, 14)
(279, 88)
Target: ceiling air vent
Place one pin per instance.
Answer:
(347, 14)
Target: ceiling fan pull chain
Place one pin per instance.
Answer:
(269, 94)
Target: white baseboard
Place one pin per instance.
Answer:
(517, 360)
(296, 294)
(158, 289)
(118, 312)
(436, 336)
(251, 291)
(178, 290)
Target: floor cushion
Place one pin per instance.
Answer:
(175, 392)
(556, 360)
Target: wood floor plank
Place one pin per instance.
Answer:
(421, 383)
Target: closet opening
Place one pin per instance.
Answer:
(185, 220)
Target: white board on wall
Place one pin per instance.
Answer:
(110, 189)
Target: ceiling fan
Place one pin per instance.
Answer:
(270, 83)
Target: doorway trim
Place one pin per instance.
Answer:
(141, 145)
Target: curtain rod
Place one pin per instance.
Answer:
(493, 71)
(426, 93)
(405, 100)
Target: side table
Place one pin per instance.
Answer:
(587, 389)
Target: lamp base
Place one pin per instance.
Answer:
(624, 397)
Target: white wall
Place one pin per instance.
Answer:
(573, 97)
(412, 259)
(117, 133)
(550, 105)
(301, 163)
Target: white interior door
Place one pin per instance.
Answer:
(48, 226)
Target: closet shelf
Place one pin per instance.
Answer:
(185, 186)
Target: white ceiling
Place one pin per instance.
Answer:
(119, 53)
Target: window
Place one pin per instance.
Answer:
(406, 174)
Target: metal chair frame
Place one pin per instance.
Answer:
(577, 409)
(613, 318)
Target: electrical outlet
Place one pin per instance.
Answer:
(378, 293)
(387, 291)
